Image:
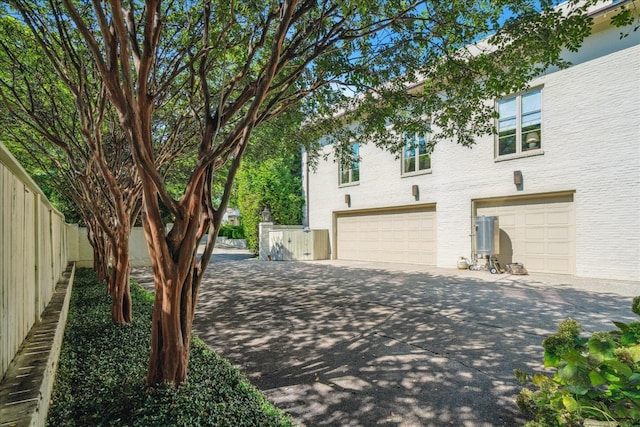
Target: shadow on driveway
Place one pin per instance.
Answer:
(343, 346)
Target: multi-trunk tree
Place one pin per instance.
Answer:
(237, 65)
(58, 119)
(62, 120)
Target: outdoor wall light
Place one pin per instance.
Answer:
(517, 178)
(266, 214)
(415, 191)
(347, 199)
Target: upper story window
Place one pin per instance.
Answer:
(519, 128)
(416, 155)
(350, 165)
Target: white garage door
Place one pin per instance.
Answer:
(539, 232)
(405, 236)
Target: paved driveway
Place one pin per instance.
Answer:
(355, 344)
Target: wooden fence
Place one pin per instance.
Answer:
(33, 254)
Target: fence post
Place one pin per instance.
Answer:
(36, 255)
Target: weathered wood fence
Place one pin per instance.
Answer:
(34, 250)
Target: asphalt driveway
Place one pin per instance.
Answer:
(356, 344)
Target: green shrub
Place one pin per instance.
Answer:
(102, 369)
(596, 377)
(231, 231)
(274, 182)
(225, 231)
(237, 232)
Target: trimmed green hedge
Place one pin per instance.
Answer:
(101, 375)
(231, 231)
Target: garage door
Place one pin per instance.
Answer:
(405, 236)
(538, 232)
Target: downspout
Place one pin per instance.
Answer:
(472, 234)
(305, 159)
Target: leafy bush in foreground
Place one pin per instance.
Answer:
(101, 375)
(595, 377)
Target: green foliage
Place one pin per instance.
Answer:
(15, 131)
(232, 231)
(100, 378)
(635, 306)
(596, 377)
(273, 182)
(626, 17)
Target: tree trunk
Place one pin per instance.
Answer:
(173, 308)
(100, 266)
(178, 273)
(170, 340)
(121, 310)
(101, 254)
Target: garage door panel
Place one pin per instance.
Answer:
(535, 233)
(534, 219)
(508, 220)
(558, 218)
(388, 234)
(423, 235)
(418, 245)
(540, 232)
(558, 233)
(417, 224)
(394, 245)
(558, 248)
(558, 265)
(406, 236)
(535, 248)
(536, 263)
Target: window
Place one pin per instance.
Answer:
(350, 166)
(416, 155)
(519, 120)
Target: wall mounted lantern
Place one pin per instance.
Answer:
(415, 191)
(347, 199)
(266, 214)
(517, 178)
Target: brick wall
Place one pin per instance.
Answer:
(591, 146)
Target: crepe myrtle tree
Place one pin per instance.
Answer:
(239, 64)
(58, 121)
(58, 118)
(87, 190)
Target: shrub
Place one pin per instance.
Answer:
(596, 377)
(101, 374)
(237, 232)
(231, 231)
(274, 182)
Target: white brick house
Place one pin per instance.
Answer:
(576, 211)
